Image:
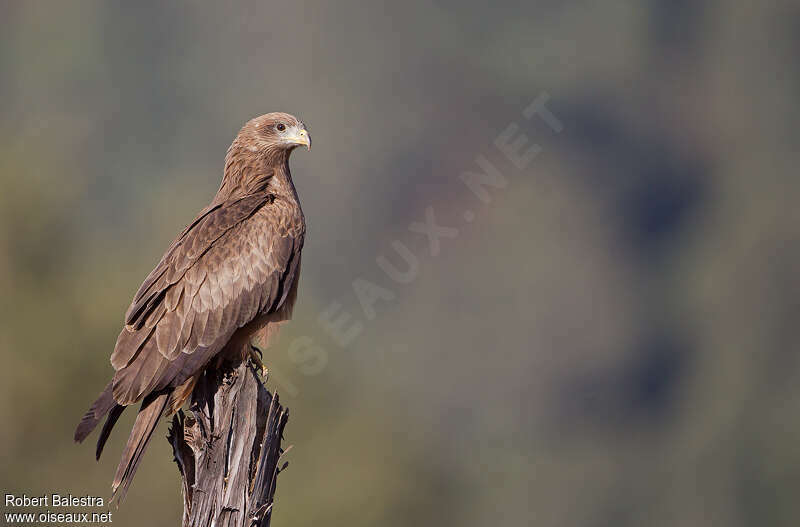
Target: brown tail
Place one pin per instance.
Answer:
(104, 404)
(152, 408)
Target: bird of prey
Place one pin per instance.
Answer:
(228, 279)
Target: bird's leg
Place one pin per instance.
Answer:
(256, 355)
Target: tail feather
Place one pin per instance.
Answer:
(109, 424)
(152, 408)
(104, 404)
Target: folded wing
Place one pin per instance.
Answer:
(223, 271)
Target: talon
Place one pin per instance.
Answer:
(256, 356)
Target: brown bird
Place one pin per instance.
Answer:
(229, 278)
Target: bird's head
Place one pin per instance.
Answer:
(260, 150)
(274, 134)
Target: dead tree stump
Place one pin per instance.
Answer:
(228, 449)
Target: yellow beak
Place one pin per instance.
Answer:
(300, 137)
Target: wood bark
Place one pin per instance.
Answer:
(228, 449)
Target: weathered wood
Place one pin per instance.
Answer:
(228, 449)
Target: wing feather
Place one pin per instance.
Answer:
(173, 297)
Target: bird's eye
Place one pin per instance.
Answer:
(281, 127)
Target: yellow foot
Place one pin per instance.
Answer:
(255, 356)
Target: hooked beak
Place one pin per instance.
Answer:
(300, 137)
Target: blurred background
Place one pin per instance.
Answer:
(608, 342)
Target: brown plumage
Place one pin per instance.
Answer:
(231, 273)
